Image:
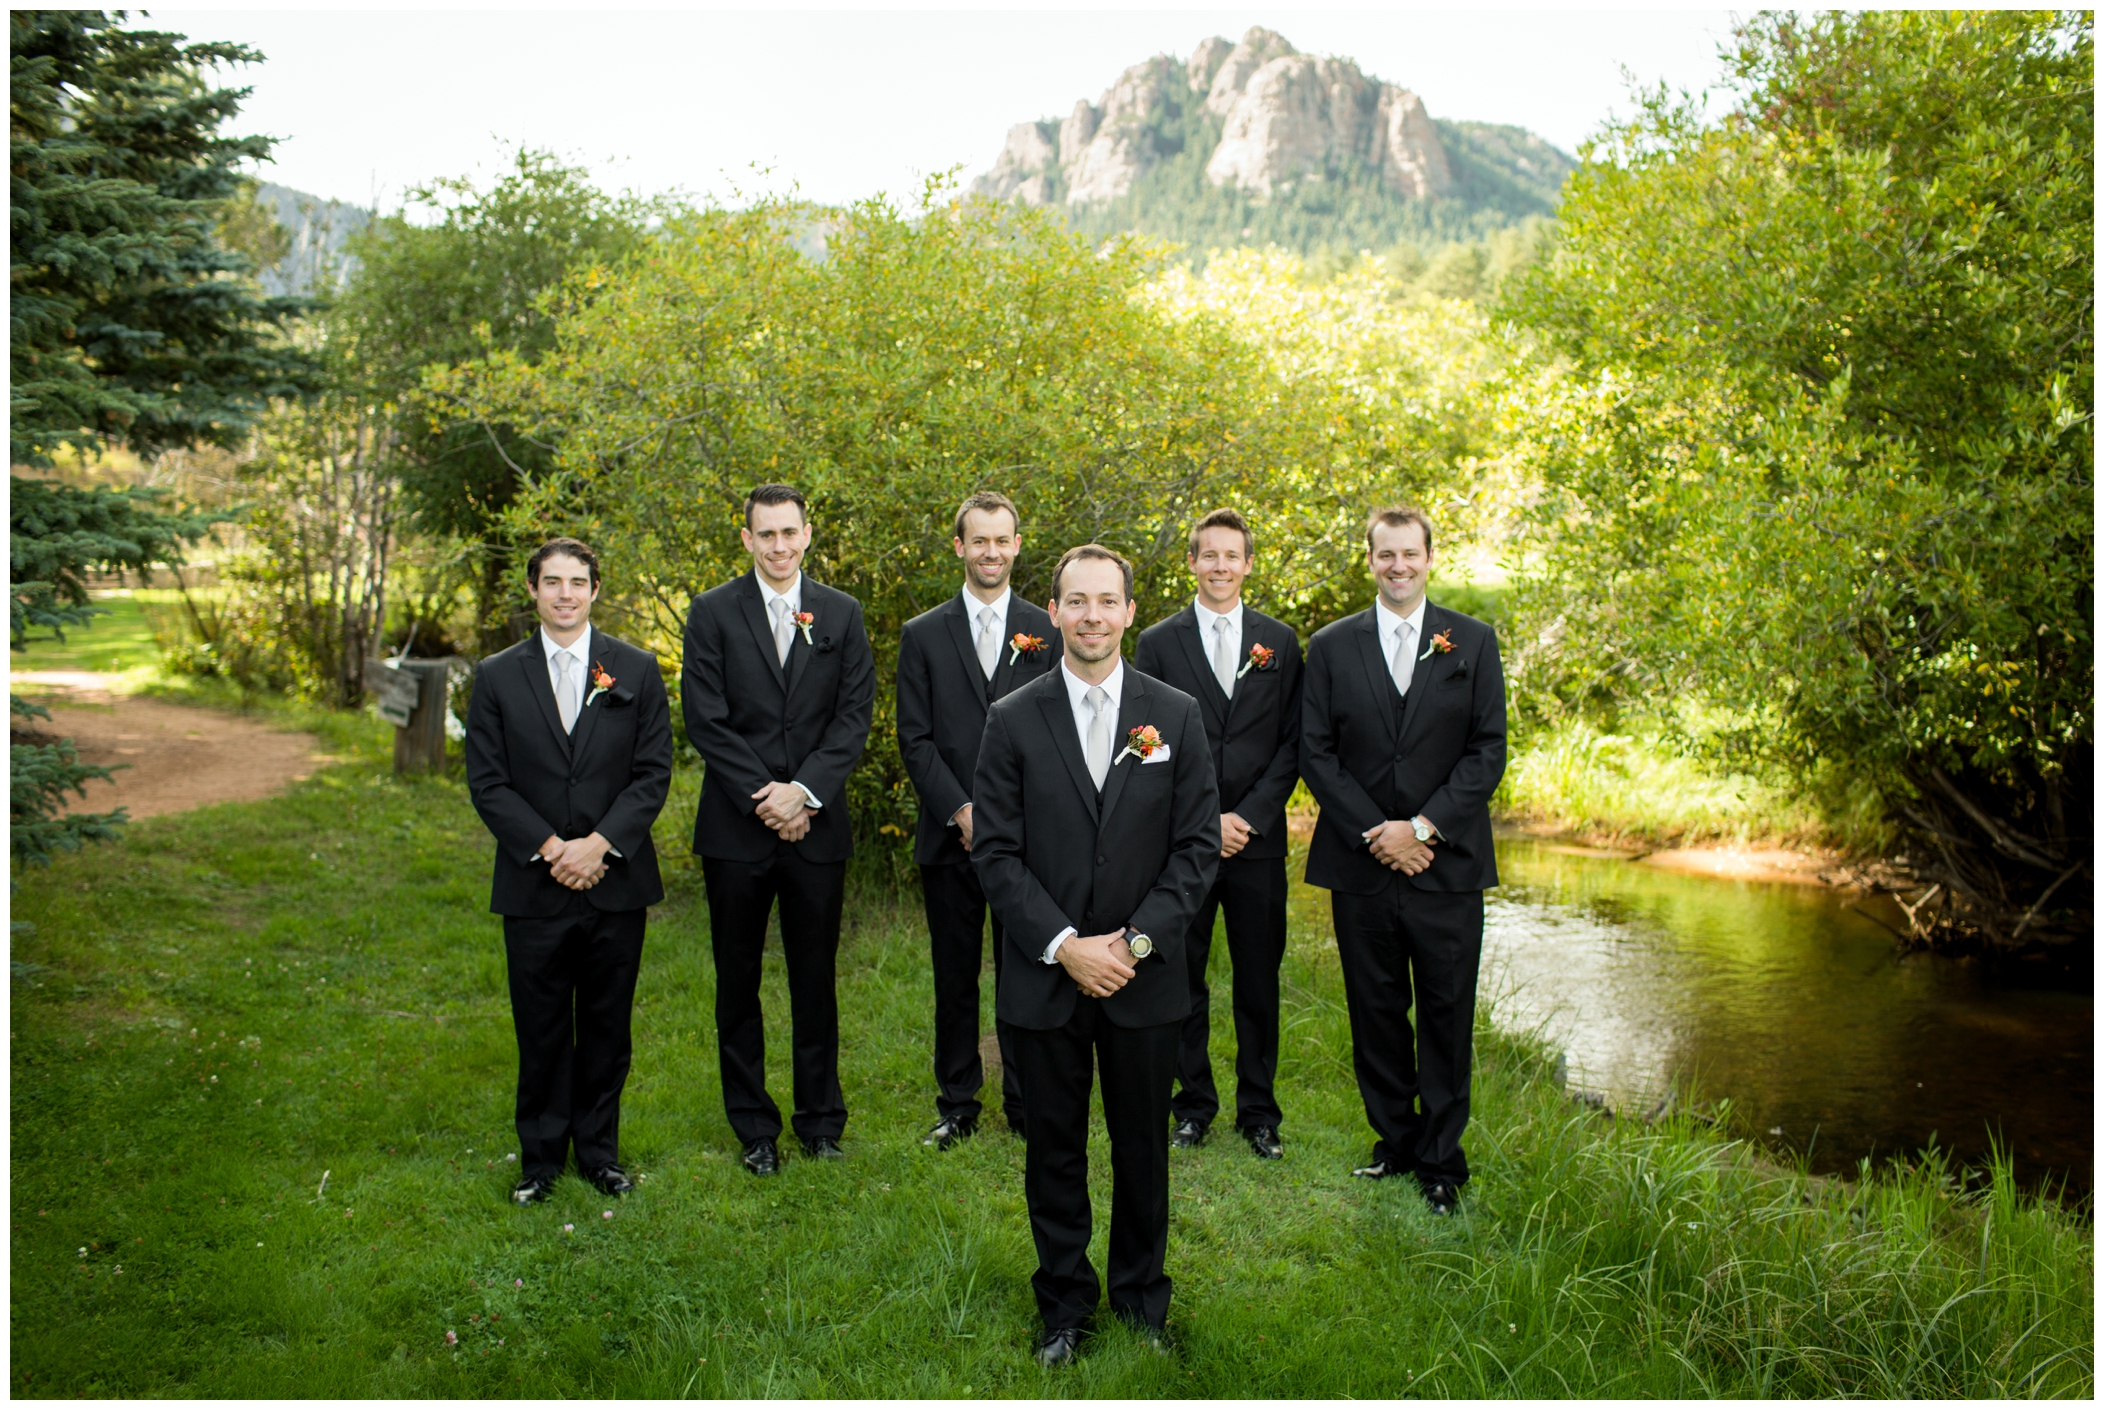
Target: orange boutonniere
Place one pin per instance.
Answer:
(601, 683)
(1143, 742)
(1260, 657)
(1441, 643)
(1024, 644)
(803, 622)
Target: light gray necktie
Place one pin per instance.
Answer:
(784, 630)
(565, 693)
(1223, 657)
(1099, 734)
(989, 641)
(1403, 664)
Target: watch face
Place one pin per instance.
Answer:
(1141, 947)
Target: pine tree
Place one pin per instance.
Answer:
(128, 319)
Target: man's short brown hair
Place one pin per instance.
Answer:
(573, 548)
(986, 502)
(1225, 519)
(1395, 516)
(776, 494)
(1092, 550)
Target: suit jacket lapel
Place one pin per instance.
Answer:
(763, 632)
(1059, 716)
(799, 649)
(1132, 713)
(586, 716)
(1378, 679)
(1421, 674)
(534, 661)
(959, 623)
(1216, 701)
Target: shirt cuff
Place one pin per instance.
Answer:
(1052, 950)
(961, 808)
(1435, 828)
(810, 798)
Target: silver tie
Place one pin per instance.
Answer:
(1223, 659)
(565, 693)
(989, 641)
(1099, 734)
(784, 630)
(1403, 664)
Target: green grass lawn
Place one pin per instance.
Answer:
(119, 640)
(232, 1002)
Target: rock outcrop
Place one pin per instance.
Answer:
(1284, 117)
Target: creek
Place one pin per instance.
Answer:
(1827, 1040)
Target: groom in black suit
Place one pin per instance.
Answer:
(775, 687)
(1097, 837)
(1243, 668)
(1403, 743)
(569, 755)
(954, 662)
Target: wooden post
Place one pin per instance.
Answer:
(413, 698)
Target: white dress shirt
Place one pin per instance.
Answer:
(580, 654)
(1391, 627)
(1208, 621)
(795, 598)
(1078, 701)
(973, 608)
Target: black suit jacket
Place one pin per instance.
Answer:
(754, 722)
(943, 699)
(530, 781)
(1368, 758)
(1051, 853)
(1255, 734)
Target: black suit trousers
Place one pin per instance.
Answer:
(741, 896)
(956, 907)
(1252, 892)
(1415, 1086)
(573, 986)
(1058, 1066)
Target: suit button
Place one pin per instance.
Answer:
(1100, 861)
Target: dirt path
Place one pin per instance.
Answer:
(179, 756)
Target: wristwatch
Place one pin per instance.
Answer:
(1422, 828)
(1139, 944)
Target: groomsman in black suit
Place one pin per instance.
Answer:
(1402, 743)
(1243, 668)
(776, 688)
(1097, 837)
(954, 662)
(569, 756)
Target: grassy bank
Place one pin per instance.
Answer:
(235, 1001)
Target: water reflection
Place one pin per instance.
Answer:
(1798, 1010)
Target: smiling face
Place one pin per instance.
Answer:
(563, 593)
(1401, 564)
(776, 538)
(1092, 613)
(988, 548)
(1220, 563)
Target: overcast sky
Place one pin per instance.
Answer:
(845, 104)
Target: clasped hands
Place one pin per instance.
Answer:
(577, 863)
(1394, 844)
(1100, 965)
(784, 808)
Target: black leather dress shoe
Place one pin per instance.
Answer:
(949, 1131)
(824, 1148)
(610, 1179)
(1058, 1347)
(1188, 1135)
(1379, 1170)
(533, 1188)
(1264, 1141)
(1442, 1196)
(760, 1158)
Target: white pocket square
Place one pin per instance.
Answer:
(1159, 756)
